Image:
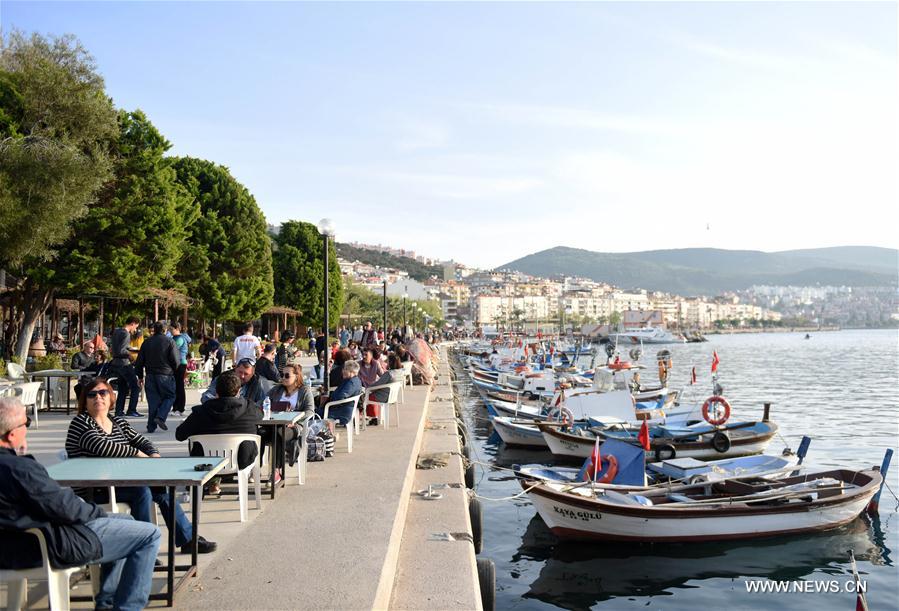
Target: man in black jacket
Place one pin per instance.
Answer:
(160, 359)
(265, 366)
(76, 532)
(226, 413)
(120, 367)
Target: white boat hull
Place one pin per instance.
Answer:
(574, 521)
(517, 434)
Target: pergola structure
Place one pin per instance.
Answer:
(277, 319)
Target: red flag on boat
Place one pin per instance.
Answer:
(643, 437)
(595, 457)
(693, 377)
(715, 361)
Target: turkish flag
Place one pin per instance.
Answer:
(693, 377)
(715, 361)
(643, 437)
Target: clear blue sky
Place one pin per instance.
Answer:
(484, 132)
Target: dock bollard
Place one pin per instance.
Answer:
(487, 581)
(476, 518)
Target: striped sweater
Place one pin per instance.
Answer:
(86, 438)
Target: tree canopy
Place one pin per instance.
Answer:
(56, 123)
(227, 262)
(299, 268)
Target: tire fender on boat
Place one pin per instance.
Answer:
(665, 451)
(469, 476)
(721, 442)
(715, 400)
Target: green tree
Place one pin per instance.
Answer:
(55, 122)
(227, 262)
(56, 125)
(299, 274)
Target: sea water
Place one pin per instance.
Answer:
(840, 388)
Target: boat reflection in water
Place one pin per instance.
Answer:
(580, 575)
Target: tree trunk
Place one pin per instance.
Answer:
(34, 302)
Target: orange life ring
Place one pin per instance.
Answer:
(620, 366)
(715, 400)
(611, 471)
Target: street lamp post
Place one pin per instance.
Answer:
(385, 309)
(404, 315)
(326, 227)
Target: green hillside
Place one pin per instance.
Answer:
(418, 271)
(709, 271)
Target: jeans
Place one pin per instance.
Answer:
(141, 499)
(126, 385)
(160, 397)
(180, 397)
(129, 553)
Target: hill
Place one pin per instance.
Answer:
(710, 271)
(416, 270)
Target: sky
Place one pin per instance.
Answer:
(482, 132)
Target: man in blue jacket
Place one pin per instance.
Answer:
(77, 532)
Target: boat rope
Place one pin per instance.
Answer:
(506, 498)
(887, 484)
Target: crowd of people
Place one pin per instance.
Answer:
(80, 531)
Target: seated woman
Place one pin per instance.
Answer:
(370, 369)
(291, 395)
(349, 387)
(93, 433)
(394, 373)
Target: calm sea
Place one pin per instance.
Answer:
(841, 388)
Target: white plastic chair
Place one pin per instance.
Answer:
(392, 399)
(27, 394)
(353, 425)
(57, 580)
(225, 446)
(407, 377)
(14, 371)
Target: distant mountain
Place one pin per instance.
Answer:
(710, 271)
(416, 270)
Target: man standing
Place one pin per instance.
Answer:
(344, 337)
(181, 342)
(369, 338)
(120, 367)
(247, 346)
(76, 532)
(286, 351)
(158, 356)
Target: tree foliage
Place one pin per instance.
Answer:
(56, 123)
(132, 237)
(227, 262)
(299, 272)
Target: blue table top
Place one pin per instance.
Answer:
(135, 471)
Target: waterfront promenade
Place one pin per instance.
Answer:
(332, 543)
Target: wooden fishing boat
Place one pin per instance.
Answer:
(702, 442)
(725, 510)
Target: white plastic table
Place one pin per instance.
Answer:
(168, 472)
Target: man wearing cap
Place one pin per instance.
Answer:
(265, 366)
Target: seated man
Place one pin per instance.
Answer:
(77, 532)
(349, 387)
(265, 366)
(84, 358)
(224, 413)
(253, 387)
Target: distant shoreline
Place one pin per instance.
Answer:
(790, 330)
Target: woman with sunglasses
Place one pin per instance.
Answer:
(94, 433)
(291, 395)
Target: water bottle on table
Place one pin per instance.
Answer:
(267, 409)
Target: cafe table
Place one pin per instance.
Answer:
(165, 472)
(278, 423)
(49, 374)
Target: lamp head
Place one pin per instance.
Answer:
(326, 227)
